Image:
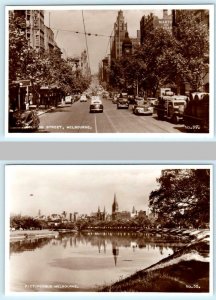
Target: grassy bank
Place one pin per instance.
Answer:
(186, 270)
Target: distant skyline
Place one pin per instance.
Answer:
(96, 22)
(80, 188)
(58, 188)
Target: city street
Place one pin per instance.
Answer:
(76, 118)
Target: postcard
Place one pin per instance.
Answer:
(108, 228)
(109, 71)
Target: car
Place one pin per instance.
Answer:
(152, 103)
(131, 99)
(96, 105)
(141, 107)
(83, 98)
(68, 99)
(122, 102)
(23, 121)
(115, 99)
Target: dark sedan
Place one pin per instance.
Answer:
(122, 103)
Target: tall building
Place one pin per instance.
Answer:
(120, 28)
(49, 42)
(84, 64)
(126, 45)
(105, 66)
(35, 28)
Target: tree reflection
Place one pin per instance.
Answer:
(28, 245)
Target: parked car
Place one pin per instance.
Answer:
(96, 105)
(83, 98)
(68, 99)
(27, 121)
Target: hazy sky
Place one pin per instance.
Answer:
(53, 189)
(97, 22)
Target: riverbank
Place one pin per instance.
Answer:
(31, 234)
(186, 270)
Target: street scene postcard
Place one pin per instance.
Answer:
(134, 70)
(108, 228)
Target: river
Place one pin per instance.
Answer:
(83, 261)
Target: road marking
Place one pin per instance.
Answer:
(95, 124)
(111, 122)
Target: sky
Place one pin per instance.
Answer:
(97, 22)
(70, 188)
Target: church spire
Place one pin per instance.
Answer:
(115, 204)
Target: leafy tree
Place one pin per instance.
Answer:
(182, 198)
(166, 58)
(193, 44)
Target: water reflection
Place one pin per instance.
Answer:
(85, 259)
(115, 251)
(28, 245)
(100, 240)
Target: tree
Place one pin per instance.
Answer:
(183, 198)
(193, 43)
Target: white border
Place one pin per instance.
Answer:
(98, 294)
(116, 136)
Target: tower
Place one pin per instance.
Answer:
(115, 205)
(120, 27)
(126, 45)
(114, 208)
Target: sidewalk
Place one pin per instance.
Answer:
(42, 110)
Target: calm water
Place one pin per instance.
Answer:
(83, 262)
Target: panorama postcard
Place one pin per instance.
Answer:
(110, 71)
(108, 228)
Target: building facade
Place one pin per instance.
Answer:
(35, 29)
(120, 28)
(49, 42)
(84, 65)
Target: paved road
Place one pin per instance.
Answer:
(76, 118)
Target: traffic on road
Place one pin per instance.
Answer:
(102, 113)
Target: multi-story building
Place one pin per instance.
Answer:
(84, 64)
(49, 42)
(35, 29)
(120, 28)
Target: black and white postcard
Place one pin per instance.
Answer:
(108, 228)
(109, 71)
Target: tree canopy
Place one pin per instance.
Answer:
(183, 197)
(43, 68)
(166, 58)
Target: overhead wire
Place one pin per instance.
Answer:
(84, 33)
(109, 42)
